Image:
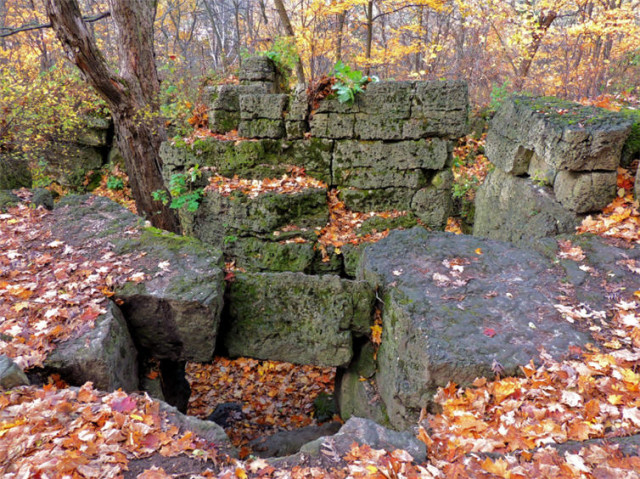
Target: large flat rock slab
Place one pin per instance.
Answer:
(173, 305)
(457, 308)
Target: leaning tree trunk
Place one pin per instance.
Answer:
(288, 29)
(132, 96)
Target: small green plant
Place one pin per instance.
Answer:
(229, 239)
(498, 95)
(284, 53)
(349, 82)
(115, 183)
(183, 193)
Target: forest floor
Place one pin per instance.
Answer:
(504, 427)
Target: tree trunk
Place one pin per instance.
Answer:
(544, 22)
(132, 97)
(369, 39)
(342, 17)
(288, 29)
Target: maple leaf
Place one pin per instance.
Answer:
(124, 405)
(489, 332)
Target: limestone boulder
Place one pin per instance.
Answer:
(566, 135)
(439, 108)
(365, 431)
(585, 192)
(8, 199)
(285, 443)
(14, 173)
(173, 310)
(222, 218)
(297, 318)
(269, 106)
(105, 355)
(11, 376)
(454, 308)
(510, 208)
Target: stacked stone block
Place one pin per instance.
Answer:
(555, 161)
(389, 148)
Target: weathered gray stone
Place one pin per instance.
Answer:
(92, 136)
(631, 148)
(222, 121)
(377, 199)
(391, 99)
(429, 154)
(296, 129)
(378, 127)
(256, 254)
(438, 109)
(14, 173)
(104, 355)
(540, 172)
(207, 430)
(253, 159)
(433, 206)
(378, 165)
(174, 312)
(356, 390)
(285, 443)
(296, 318)
(364, 431)
(313, 154)
(71, 164)
(611, 273)
(510, 208)
(42, 197)
(240, 215)
(269, 106)
(435, 323)
(378, 178)
(359, 397)
(261, 128)
(11, 376)
(332, 125)
(331, 104)
(585, 192)
(351, 256)
(507, 153)
(299, 105)
(7, 199)
(449, 95)
(257, 69)
(227, 97)
(566, 135)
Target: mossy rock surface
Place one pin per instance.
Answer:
(568, 136)
(14, 173)
(174, 312)
(8, 199)
(631, 149)
(295, 317)
(240, 215)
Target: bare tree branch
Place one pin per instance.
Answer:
(7, 31)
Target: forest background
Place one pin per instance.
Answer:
(578, 49)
